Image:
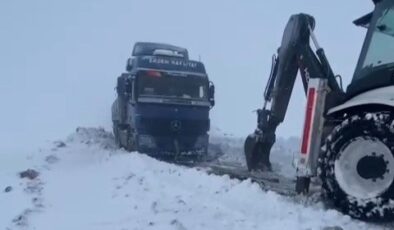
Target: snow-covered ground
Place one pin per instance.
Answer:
(283, 153)
(84, 182)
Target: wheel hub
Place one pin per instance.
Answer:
(372, 167)
(364, 168)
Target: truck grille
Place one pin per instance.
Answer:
(173, 126)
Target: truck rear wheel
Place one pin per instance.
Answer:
(356, 166)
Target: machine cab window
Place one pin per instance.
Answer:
(378, 49)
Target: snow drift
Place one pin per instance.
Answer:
(85, 182)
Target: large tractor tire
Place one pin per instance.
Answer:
(356, 166)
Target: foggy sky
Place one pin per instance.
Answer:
(59, 59)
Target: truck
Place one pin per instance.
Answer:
(163, 102)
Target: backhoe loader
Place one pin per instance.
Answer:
(348, 135)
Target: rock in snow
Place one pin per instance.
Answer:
(90, 184)
(29, 174)
(8, 189)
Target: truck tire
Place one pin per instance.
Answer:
(115, 129)
(129, 144)
(131, 141)
(356, 166)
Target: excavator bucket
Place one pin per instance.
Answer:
(257, 154)
(249, 149)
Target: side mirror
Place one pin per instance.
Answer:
(129, 64)
(211, 94)
(124, 86)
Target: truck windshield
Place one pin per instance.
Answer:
(162, 85)
(380, 52)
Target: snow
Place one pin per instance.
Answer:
(86, 183)
(283, 153)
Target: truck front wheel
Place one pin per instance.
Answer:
(356, 166)
(115, 130)
(124, 137)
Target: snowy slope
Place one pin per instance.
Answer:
(86, 183)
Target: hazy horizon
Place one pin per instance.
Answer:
(59, 60)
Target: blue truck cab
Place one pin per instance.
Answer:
(163, 102)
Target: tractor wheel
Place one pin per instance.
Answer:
(356, 166)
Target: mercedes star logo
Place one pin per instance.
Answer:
(176, 125)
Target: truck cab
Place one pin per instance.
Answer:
(163, 102)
